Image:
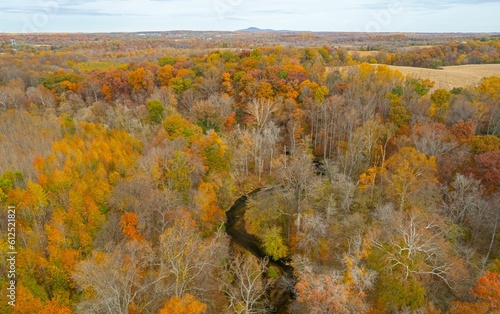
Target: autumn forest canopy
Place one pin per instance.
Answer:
(122, 153)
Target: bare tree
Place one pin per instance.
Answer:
(314, 227)
(117, 278)
(463, 201)
(429, 139)
(166, 95)
(12, 95)
(244, 285)
(415, 246)
(41, 96)
(153, 206)
(300, 183)
(261, 111)
(188, 261)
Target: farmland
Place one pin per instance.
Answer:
(452, 76)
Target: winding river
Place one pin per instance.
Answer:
(282, 292)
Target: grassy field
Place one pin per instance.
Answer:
(453, 76)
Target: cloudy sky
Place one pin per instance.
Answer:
(314, 15)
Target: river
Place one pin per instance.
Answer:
(283, 291)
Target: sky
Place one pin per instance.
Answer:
(27, 16)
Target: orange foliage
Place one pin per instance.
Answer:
(129, 227)
(487, 294)
(26, 302)
(106, 92)
(230, 121)
(165, 74)
(187, 305)
(52, 307)
(210, 212)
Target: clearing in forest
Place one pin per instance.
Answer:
(453, 76)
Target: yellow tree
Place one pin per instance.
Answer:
(408, 172)
(66, 208)
(440, 104)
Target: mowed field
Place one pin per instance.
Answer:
(453, 76)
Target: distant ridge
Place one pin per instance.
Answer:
(260, 30)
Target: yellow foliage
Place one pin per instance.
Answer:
(367, 179)
(407, 172)
(490, 86)
(365, 69)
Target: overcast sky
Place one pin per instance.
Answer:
(313, 15)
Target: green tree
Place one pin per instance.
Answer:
(177, 175)
(273, 244)
(156, 112)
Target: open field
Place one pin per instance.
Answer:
(363, 53)
(453, 76)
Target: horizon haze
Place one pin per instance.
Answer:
(25, 16)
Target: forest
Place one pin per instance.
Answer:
(351, 188)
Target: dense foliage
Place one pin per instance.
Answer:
(121, 161)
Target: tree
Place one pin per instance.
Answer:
(417, 249)
(213, 151)
(164, 75)
(41, 97)
(261, 111)
(411, 252)
(440, 104)
(116, 280)
(264, 211)
(13, 94)
(431, 139)
(483, 144)
(187, 261)
(129, 227)
(488, 169)
(186, 305)
(156, 112)
(176, 126)
(464, 202)
(273, 244)
(409, 172)
(328, 293)
(52, 307)
(142, 82)
(486, 293)
(490, 86)
(244, 284)
(177, 174)
(211, 215)
(300, 183)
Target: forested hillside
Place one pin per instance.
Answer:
(122, 156)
